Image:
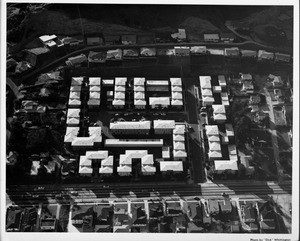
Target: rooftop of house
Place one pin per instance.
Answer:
(148, 51)
(130, 125)
(176, 81)
(38, 51)
(212, 130)
(205, 82)
(213, 205)
(157, 82)
(164, 124)
(198, 49)
(137, 81)
(223, 165)
(171, 166)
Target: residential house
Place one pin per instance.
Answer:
(285, 58)
(159, 102)
(175, 167)
(82, 217)
(130, 127)
(195, 212)
(232, 52)
(226, 166)
(265, 56)
(225, 206)
(214, 37)
(128, 39)
(14, 217)
(246, 53)
(227, 37)
(148, 52)
(36, 56)
(182, 50)
(163, 126)
(139, 218)
(213, 206)
(76, 60)
(198, 50)
(173, 209)
(112, 39)
(155, 210)
(180, 35)
(121, 221)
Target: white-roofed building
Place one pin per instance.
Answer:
(130, 127)
(198, 50)
(139, 88)
(222, 81)
(74, 103)
(139, 81)
(93, 103)
(95, 81)
(176, 95)
(177, 103)
(212, 130)
(108, 161)
(85, 171)
(96, 154)
(213, 138)
(224, 166)
(95, 138)
(139, 95)
(74, 95)
(75, 88)
(229, 130)
(85, 166)
(71, 134)
(119, 95)
(179, 155)
(214, 146)
(176, 81)
(134, 143)
(206, 92)
(95, 88)
(220, 118)
(76, 81)
(73, 121)
(156, 102)
(148, 170)
(124, 170)
(166, 152)
(94, 95)
(163, 126)
(219, 113)
(171, 166)
(147, 159)
(106, 171)
(217, 89)
(213, 155)
(120, 81)
(108, 82)
(264, 55)
(179, 129)
(176, 88)
(120, 88)
(225, 99)
(140, 104)
(208, 100)
(178, 145)
(178, 137)
(119, 104)
(205, 82)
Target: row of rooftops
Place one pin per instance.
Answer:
(207, 91)
(179, 150)
(157, 124)
(194, 50)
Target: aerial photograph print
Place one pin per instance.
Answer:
(175, 120)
